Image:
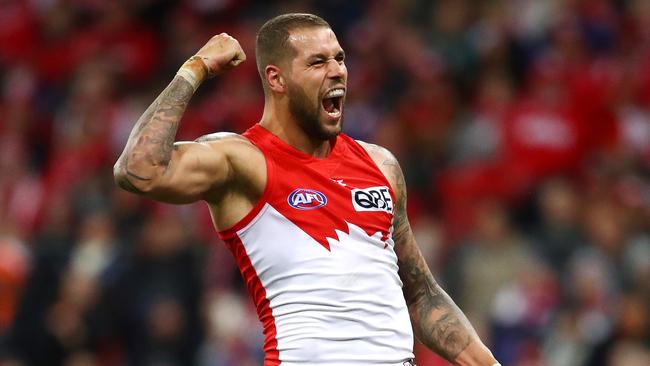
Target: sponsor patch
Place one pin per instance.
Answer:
(306, 199)
(372, 199)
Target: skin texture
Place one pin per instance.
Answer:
(229, 173)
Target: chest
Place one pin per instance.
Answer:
(323, 197)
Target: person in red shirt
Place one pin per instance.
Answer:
(304, 76)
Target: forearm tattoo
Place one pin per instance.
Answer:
(438, 322)
(152, 138)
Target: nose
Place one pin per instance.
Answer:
(337, 69)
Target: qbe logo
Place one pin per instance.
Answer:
(372, 199)
(306, 199)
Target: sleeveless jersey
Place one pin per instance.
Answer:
(317, 257)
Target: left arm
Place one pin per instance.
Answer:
(437, 321)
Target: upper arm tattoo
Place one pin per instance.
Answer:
(400, 219)
(437, 321)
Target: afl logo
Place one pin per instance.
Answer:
(306, 199)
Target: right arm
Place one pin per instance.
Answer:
(151, 163)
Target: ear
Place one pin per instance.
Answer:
(274, 78)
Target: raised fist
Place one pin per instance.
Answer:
(221, 53)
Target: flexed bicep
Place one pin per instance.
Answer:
(195, 170)
(151, 163)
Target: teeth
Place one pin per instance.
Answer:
(334, 93)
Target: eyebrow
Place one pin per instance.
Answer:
(322, 56)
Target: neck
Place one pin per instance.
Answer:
(279, 121)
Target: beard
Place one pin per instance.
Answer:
(308, 114)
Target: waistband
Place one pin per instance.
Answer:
(407, 362)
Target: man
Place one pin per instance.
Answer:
(316, 221)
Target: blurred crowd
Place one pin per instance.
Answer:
(523, 128)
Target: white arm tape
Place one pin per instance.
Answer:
(191, 77)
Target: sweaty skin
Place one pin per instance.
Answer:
(229, 172)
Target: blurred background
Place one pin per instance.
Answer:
(523, 128)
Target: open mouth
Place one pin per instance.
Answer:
(333, 102)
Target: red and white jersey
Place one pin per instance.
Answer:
(317, 256)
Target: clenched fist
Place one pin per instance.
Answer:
(221, 53)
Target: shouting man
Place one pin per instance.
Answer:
(315, 220)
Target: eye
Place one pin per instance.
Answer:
(317, 62)
(340, 58)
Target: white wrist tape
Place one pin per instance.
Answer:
(190, 76)
(194, 71)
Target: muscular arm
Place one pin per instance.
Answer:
(438, 322)
(151, 163)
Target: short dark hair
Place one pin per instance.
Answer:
(271, 44)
